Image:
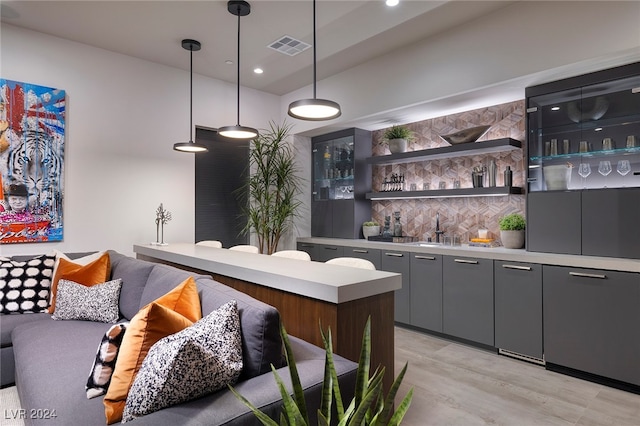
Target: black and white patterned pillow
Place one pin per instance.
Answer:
(105, 361)
(196, 361)
(24, 286)
(95, 303)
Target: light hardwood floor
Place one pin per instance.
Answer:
(455, 384)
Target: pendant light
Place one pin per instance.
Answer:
(191, 146)
(238, 8)
(314, 109)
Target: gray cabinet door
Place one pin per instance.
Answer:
(399, 262)
(518, 307)
(554, 222)
(322, 218)
(426, 291)
(610, 222)
(309, 248)
(592, 321)
(372, 255)
(325, 252)
(467, 298)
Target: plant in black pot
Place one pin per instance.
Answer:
(398, 137)
(512, 228)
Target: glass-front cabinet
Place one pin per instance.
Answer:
(333, 168)
(585, 137)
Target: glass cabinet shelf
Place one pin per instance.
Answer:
(495, 191)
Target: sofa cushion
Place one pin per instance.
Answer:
(25, 285)
(105, 361)
(80, 260)
(164, 279)
(260, 324)
(134, 274)
(95, 303)
(198, 360)
(95, 272)
(183, 299)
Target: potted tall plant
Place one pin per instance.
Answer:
(272, 188)
(397, 137)
(512, 228)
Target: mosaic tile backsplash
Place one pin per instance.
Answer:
(458, 216)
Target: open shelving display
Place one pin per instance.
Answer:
(494, 191)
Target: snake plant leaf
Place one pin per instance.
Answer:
(361, 410)
(322, 420)
(289, 406)
(391, 396)
(397, 417)
(264, 419)
(363, 364)
(334, 377)
(298, 391)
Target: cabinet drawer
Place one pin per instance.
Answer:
(426, 291)
(372, 255)
(325, 252)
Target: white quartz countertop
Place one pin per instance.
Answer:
(495, 253)
(330, 283)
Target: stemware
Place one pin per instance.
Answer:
(623, 167)
(584, 170)
(604, 168)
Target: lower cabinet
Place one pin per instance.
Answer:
(592, 321)
(399, 262)
(467, 298)
(310, 248)
(518, 307)
(372, 255)
(324, 252)
(426, 291)
(554, 222)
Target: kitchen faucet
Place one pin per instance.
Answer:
(438, 231)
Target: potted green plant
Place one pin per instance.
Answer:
(369, 406)
(370, 229)
(512, 228)
(398, 137)
(270, 195)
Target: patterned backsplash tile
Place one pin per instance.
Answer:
(458, 216)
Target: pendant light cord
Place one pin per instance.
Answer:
(191, 95)
(238, 74)
(314, 49)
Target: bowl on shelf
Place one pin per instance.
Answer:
(557, 177)
(469, 135)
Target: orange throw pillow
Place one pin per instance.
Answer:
(168, 314)
(150, 324)
(91, 274)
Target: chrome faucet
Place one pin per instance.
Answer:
(438, 231)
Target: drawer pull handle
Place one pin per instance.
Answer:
(425, 257)
(518, 267)
(581, 274)
(331, 248)
(394, 254)
(306, 245)
(473, 262)
(360, 251)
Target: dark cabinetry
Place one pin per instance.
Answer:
(340, 179)
(467, 298)
(399, 262)
(518, 308)
(554, 222)
(591, 321)
(426, 291)
(372, 255)
(324, 252)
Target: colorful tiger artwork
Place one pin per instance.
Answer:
(31, 162)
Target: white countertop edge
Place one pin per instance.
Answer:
(329, 283)
(495, 253)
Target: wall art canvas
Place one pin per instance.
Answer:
(32, 126)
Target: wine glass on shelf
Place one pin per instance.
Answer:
(623, 167)
(584, 170)
(604, 168)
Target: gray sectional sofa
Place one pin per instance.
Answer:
(52, 359)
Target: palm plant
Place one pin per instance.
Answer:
(272, 188)
(368, 407)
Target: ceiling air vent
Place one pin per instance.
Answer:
(289, 45)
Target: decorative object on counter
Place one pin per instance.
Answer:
(397, 226)
(270, 195)
(162, 218)
(512, 228)
(557, 177)
(394, 183)
(492, 171)
(477, 176)
(466, 136)
(398, 137)
(508, 177)
(369, 394)
(370, 229)
(386, 232)
(483, 233)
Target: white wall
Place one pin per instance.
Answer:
(123, 117)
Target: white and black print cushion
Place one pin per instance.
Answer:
(105, 361)
(196, 361)
(24, 286)
(95, 303)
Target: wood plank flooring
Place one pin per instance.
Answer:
(455, 384)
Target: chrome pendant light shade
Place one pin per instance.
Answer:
(314, 109)
(191, 146)
(238, 8)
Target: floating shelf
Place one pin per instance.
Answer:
(460, 150)
(495, 191)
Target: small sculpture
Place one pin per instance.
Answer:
(162, 218)
(386, 232)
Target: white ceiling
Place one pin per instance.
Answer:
(348, 32)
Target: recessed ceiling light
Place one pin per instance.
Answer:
(228, 62)
(392, 2)
(258, 70)
(597, 129)
(555, 108)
